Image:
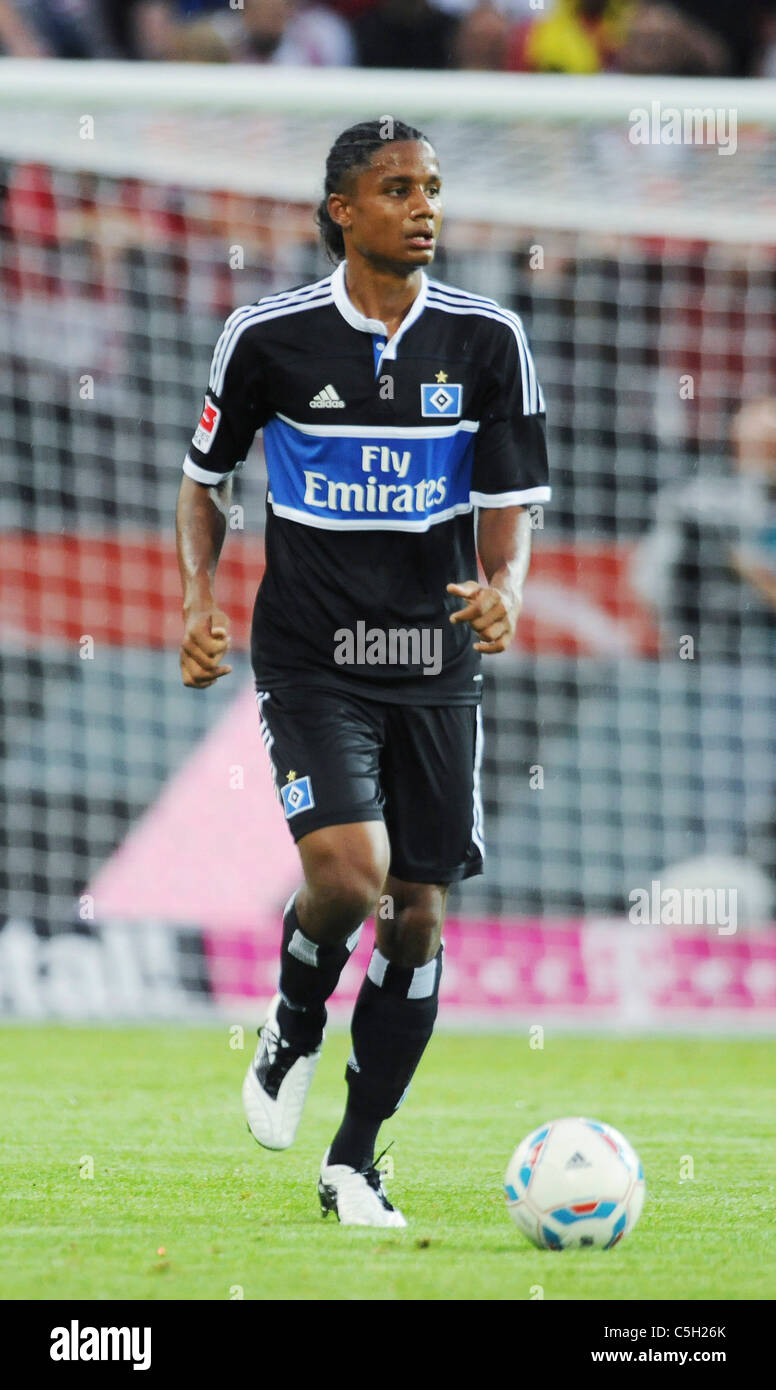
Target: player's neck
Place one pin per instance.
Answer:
(381, 294)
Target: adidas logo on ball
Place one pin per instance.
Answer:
(327, 399)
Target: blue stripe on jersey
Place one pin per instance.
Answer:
(352, 482)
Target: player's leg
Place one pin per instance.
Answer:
(433, 813)
(344, 868)
(394, 1014)
(392, 1023)
(325, 757)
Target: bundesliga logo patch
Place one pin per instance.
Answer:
(437, 399)
(297, 796)
(207, 427)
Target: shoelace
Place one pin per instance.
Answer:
(374, 1178)
(278, 1066)
(283, 1045)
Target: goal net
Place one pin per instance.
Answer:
(631, 225)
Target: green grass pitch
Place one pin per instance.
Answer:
(155, 1113)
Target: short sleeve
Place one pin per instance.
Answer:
(232, 410)
(510, 449)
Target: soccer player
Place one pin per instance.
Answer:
(392, 406)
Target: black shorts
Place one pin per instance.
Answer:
(338, 758)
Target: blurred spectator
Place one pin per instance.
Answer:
(197, 8)
(708, 566)
(754, 439)
(141, 29)
(513, 10)
(406, 34)
(65, 28)
(156, 28)
(662, 40)
(261, 31)
(351, 9)
(18, 39)
(739, 26)
(197, 41)
(482, 41)
(766, 64)
(577, 36)
(289, 31)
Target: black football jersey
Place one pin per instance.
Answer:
(378, 452)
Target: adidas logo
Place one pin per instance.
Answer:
(578, 1160)
(327, 399)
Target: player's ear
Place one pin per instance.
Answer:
(337, 205)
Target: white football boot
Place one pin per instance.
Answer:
(356, 1198)
(276, 1085)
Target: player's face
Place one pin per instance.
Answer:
(393, 212)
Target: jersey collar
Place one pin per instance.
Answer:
(356, 319)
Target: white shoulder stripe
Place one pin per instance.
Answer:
(533, 381)
(474, 304)
(262, 308)
(533, 401)
(245, 318)
(302, 292)
(236, 320)
(462, 296)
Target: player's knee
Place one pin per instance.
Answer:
(410, 935)
(344, 899)
(344, 874)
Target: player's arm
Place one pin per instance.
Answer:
(504, 545)
(200, 525)
(509, 474)
(230, 417)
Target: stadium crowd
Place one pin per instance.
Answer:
(683, 37)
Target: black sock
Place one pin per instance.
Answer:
(308, 975)
(392, 1023)
(355, 1140)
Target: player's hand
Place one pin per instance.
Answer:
(205, 639)
(492, 615)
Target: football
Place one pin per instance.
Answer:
(574, 1183)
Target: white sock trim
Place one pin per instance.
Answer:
(423, 976)
(423, 980)
(377, 967)
(353, 939)
(303, 948)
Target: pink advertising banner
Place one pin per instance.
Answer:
(573, 974)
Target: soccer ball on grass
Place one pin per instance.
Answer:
(575, 1182)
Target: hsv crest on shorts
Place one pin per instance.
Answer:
(297, 796)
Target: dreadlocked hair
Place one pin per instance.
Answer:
(350, 153)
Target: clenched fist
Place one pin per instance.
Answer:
(205, 639)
